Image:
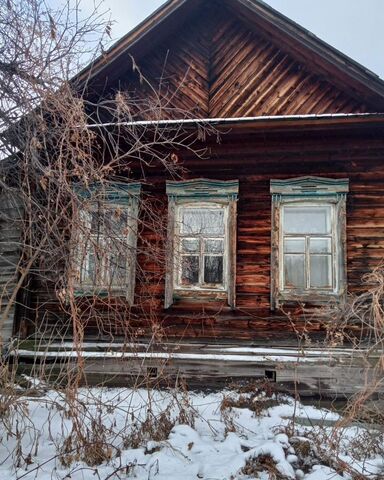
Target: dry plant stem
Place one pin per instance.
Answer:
(58, 136)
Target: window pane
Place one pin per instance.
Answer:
(294, 245)
(213, 269)
(294, 271)
(114, 221)
(190, 245)
(94, 221)
(90, 270)
(321, 271)
(307, 219)
(119, 220)
(189, 270)
(117, 269)
(202, 221)
(320, 245)
(214, 246)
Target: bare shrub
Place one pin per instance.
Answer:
(54, 136)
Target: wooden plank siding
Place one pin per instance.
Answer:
(254, 158)
(10, 237)
(217, 66)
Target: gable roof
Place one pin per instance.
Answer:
(323, 59)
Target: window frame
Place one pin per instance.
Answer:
(117, 195)
(203, 193)
(307, 238)
(309, 191)
(202, 287)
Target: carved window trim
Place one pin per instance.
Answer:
(114, 197)
(203, 193)
(313, 192)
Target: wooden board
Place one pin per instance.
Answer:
(254, 158)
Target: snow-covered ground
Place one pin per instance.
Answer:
(215, 436)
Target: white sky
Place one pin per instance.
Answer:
(355, 27)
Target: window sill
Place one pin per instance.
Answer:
(313, 298)
(200, 294)
(99, 292)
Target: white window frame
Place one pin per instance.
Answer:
(311, 192)
(211, 194)
(307, 236)
(202, 286)
(114, 197)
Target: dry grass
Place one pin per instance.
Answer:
(256, 395)
(262, 464)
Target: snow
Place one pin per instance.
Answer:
(230, 120)
(215, 446)
(68, 346)
(320, 472)
(254, 356)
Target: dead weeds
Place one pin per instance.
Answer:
(257, 396)
(263, 463)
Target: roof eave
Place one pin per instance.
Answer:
(133, 38)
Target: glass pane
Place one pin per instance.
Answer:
(214, 246)
(321, 271)
(94, 221)
(189, 270)
(202, 221)
(213, 269)
(294, 245)
(114, 221)
(294, 271)
(117, 269)
(190, 245)
(119, 220)
(320, 245)
(307, 219)
(90, 270)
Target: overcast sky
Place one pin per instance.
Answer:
(355, 27)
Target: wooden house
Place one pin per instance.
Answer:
(279, 220)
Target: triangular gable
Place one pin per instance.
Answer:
(238, 58)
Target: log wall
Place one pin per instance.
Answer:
(215, 64)
(254, 157)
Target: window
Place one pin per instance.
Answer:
(201, 240)
(201, 234)
(103, 250)
(308, 239)
(106, 240)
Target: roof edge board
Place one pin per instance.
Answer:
(131, 38)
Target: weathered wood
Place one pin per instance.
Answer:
(321, 153)
(204, 73)
(168, 289)
(329, 373)
(10, 247)
(232, 249)
(193, 37)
